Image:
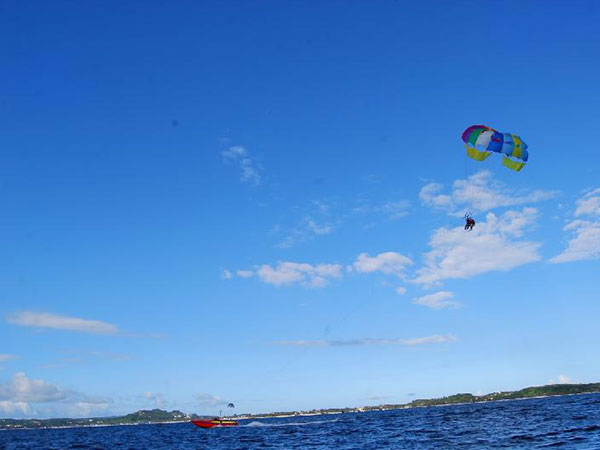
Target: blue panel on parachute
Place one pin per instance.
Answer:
(496, 142)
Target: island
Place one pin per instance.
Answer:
(159, 416)
(136, 418)
(529, 392)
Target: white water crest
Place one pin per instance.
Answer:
(288, 424)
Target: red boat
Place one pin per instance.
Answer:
(215, 423)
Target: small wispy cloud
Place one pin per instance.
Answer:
(156, 398)
(58, 322)
(240, 156)
(400, 290)
(434, 339)
(377, 398)
(584, 243)
(322, 217)
(226, 274)
(390, 209)
(394, 210)
(204, 399)
(244, 273)
(390, 263)
(318, 229)
(306, 222)
(437, 300)
(561, 379)
(589, 204)
(111, 356)
(7, 357)
(307, 229)
(59, 363)
(86, 357)
(286, 273)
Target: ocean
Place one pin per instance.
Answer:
(569, 422)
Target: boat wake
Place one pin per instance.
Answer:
(288, 424)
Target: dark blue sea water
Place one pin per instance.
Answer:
(561, 422)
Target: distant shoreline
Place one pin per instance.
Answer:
(100, 425)
(407, 406)
(157, 416)
(553, 390)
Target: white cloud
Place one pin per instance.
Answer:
(47, 320)
(156, 398)
(491, 246)
(585, 234)
(478, 193)
(250, 170)
(584, 245)
(318, 228)
(11, 408)
(244, 273)
(390, 263)
(23, 389)
(286, 273)
(22, 394)
(401, 290)
(589, 204)
(434, 339)
(87, 408)
(561, 379)
(431, 196)
(437, 300)
(226, 274)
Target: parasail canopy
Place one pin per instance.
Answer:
(480, 141)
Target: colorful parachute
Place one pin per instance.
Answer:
(480, 141)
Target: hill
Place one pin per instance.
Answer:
(138, 417)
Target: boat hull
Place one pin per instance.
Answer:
(215, 423)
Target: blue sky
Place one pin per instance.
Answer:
(205, 202)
